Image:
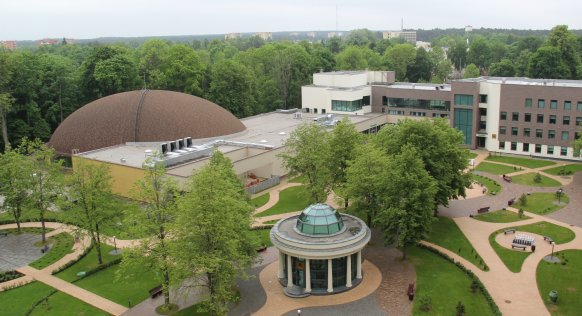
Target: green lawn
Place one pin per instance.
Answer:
(543, 203)
(89, 262)
(513, 259)
(528, 179)
(194, 310)
(62, 244)
(30, 230)
(445, 284)
(566, 279)
(263, 235)
(290, 200)
(491, 185)
(524, 162)
(134, 288)
(559, 234)
(445, 233)
(299, 179)
(22, 298)
(501, 216)
(573, 168)
(494, 168)
(63, 304)
(271, 222)
(260, 200)
(473, 155)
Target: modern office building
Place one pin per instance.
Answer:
(409, 36)
(534, 117)
(320, 251)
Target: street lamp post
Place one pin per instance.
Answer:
(298, 312)
(114, 244)
(559, 195)
(553, 243)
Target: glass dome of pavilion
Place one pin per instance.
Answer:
(319, 219)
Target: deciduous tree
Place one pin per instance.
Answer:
(15, 183)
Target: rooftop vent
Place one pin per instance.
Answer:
(123, 160)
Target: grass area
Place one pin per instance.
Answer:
(89, 262)
(501, 216)
(528, 179)
(290, 200)
(473, 155)
(30, 230)
(132, 289)
(260, 200)
(271, 222)
(542, 203)
(263, 235)
(299, 179)
(513, 259)
(494, 168)
(559, 234)
(564, 278)
(493, 188)
(194, 310)
(524, 162)
(445, 233)
(61, 245)
(63, 304)
(433, 275)
(565, 170)
(22, 298)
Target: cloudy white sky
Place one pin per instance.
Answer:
(35, 19)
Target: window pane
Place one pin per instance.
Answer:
(528, 103)
(567, 105)
(541, 103)
(553, 104)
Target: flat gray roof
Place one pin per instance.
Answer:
(265, 129)
(527, 81)
(418, 86)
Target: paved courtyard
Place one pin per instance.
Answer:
(18, 250)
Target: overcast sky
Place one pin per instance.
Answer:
(36, 19)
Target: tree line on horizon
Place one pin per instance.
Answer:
(40, 87)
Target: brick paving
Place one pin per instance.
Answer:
(18, 250)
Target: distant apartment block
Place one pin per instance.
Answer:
(424, 45)
(409, 36)
(333, 34)
(10, 45)
(522, 116)
(265, 35)
(311, 34)
(48, 41)
(232, 36)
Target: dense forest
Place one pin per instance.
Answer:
(40, 87)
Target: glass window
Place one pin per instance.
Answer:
(538, 148)
(566, 120)
(463, 99)
(528, 103)
(541, 103)
(550, 150)
(502, 145)
(578, 120)
(527, 117)
(565, 135)
(513, 146)
(502, 130)
(526, 147)
(482, 98)
(503, 116)
(579, 106)
(540, 118)
(347, 106)
(526, 132)
(553, 104)
(563, 151)
(515, 116)
(552, 119)
(463, 121)
(567, 105)
(514, 131)
(539, 133)
(437, 105)
(551, 134)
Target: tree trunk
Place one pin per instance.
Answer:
(16, 215)
(166, 287)
(43, 226)
(404, 252)
(98, 244)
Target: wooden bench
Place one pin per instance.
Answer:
(518, 246)
(510, 202)
(507, 178)
(156, 291)
(509, 231)
(483, 210)
(548, 239)
(261, 249)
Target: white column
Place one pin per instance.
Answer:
(329, 276)
(359, 267)
(289, 274)
(349, 272)
(307, 275)
(281, 273)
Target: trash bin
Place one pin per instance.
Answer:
(533, 248)
(553, 296)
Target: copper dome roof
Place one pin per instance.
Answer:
(142, 116)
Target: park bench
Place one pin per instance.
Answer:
(483, 210)
(4, 234)
(261, 249)
(518, 246)
(44, 249)
(509, 231)
(156, 291)
(510, 202)
(548, 239)
(507, 178)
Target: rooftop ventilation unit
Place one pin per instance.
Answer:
(181, 144)
(188, 141)
(147, 153)
(164, 148)
(173, 146)
(298, 115)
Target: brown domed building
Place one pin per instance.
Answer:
(142, 116)
(122, 130)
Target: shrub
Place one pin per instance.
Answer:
(537, 178)
(520, 213)
(10, 275)
(474, 286)
(425, 303)
(460, 309)
(523, 199)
